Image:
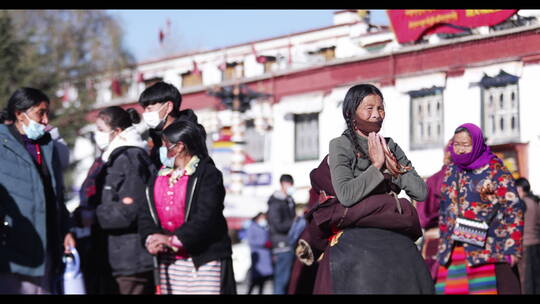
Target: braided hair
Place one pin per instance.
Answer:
(354, 97)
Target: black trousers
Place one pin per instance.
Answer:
(137, 284)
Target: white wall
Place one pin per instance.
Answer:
(397, 121)
(331, 122)
(529, 103)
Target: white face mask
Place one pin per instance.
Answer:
(291, 190)
(34, 130)
(165, 160)
(152, 119)
(102, 139)
(262, 223)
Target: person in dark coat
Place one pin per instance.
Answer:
(161, 103)
(281, 214)
(92, 245)
(123, 178)
(183, 224)
(34, 221)
(303, 276)
(260, 246)
(529, 266)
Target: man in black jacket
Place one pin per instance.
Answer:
(281, 214)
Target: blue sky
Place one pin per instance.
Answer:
(211, 29)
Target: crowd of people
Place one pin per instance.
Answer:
(152, 210)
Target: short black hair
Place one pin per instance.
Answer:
(286, 178)
(253, 219)
(161, 92)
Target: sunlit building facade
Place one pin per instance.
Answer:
(488, 76)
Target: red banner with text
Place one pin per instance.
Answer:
(411, 25)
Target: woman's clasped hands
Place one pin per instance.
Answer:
(158, 243)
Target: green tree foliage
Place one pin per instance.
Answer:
(10, 58)
(50, 49)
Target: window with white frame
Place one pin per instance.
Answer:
(306, 136)
(427, 125)
(233, 70)
(191, 79)
(322, 54)
(255, 142)
(500, 108)
(151, 81)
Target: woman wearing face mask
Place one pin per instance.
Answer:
(481, 221)
(161, 103)
(258, 238)
(363, 165)
(183, 224)
(121, 183)
(34, 220)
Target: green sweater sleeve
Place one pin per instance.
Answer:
(350, 189)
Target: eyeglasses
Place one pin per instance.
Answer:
(169, 148)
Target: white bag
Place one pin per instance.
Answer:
(73, 281)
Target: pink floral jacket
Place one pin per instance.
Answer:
(486, 191)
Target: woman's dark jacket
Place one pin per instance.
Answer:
(204, 233)
(123, 180)
(34, 218)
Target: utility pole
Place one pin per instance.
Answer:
(238, 99)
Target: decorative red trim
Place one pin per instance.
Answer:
(530, 59)
(388, 82)
(455, 72)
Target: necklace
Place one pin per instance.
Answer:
(175, 176)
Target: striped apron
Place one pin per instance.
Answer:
(179, 276)
(458, 278)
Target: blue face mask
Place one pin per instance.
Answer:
(291, 190)
(33, 130)
(166, 161)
